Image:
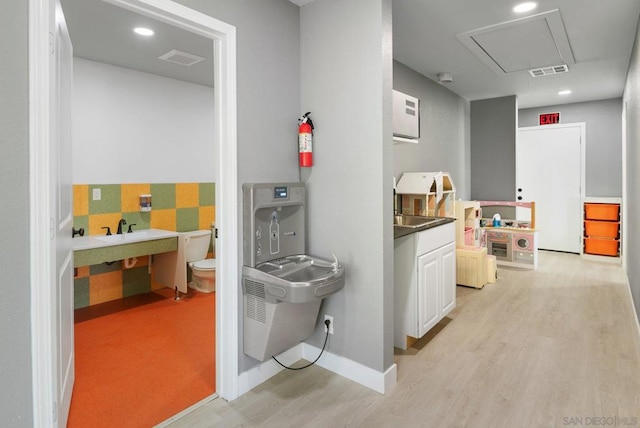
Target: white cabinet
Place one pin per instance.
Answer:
(424, 282)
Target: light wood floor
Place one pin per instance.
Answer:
(547, 348)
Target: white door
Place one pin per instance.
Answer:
(62, 212)
(428, 283)
(549, 171)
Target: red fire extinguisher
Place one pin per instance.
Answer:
(305, 140)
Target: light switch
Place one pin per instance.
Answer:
(97, 194)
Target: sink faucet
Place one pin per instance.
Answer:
(121, 223)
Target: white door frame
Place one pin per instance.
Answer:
(43, 343)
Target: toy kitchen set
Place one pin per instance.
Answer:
(514, 240)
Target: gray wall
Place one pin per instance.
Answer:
(493, 148)
(346, 84)
(444, 130)
(15, 324)
(603, 163)
(632, 195)
(268, 91)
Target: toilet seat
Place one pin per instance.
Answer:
(206, 264)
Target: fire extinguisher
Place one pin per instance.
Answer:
(305, 140)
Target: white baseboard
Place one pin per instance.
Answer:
(186, 411)
(365, 376)
(604, 259)
(633, 306)
(263, 372)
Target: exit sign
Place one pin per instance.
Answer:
(549, 118)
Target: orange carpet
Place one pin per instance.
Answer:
(142, 359)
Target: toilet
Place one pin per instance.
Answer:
(203, 270)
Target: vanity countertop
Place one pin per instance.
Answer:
(102, 241)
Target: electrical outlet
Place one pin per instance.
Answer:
(97, 194)
(330, 318)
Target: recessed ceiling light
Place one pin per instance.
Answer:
(143, 31)
(565, 92)
(525, 7)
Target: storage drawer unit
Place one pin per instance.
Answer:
(602, 228)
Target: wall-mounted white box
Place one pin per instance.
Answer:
(406, 115)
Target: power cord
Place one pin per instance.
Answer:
(327, 323)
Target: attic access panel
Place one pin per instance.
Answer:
(522, 44)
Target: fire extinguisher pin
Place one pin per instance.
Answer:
(306, 119)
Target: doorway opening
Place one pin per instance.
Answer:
(45, 335)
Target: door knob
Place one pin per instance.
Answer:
(519, 189)
(519, 198)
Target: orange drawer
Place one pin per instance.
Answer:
(602, 211)
(601, 229)
(601, 246)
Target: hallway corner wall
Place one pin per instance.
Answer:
(631, 199)
(347, 69)
(494, 125)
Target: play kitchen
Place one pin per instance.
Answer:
(513, 242)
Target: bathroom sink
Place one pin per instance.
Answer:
(413, 221)
(101, 241)
(138, 235)
(90, 250)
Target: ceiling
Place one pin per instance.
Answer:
(432, 37)
(102, 32)
(487, 48)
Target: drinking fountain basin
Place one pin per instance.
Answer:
(295, 279)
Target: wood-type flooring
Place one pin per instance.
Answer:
(554, 347)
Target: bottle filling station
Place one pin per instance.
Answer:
(282, 286)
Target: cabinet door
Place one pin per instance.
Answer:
(448, 287)
(429, 280)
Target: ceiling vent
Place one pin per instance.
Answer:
(182, 58)
(522, 44)
(548, 71)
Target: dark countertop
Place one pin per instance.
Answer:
(400, 231)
